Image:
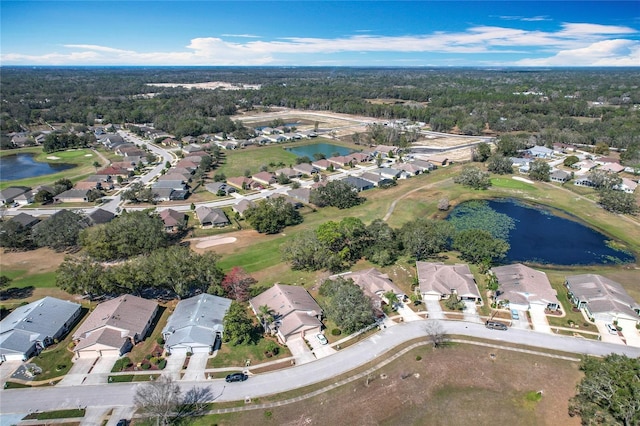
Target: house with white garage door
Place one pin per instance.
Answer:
(523, 288)
(294, 311)
(30, 328)
(601, 298)
(196, 324)
(439, 281)
(374, 284)
(115, 326)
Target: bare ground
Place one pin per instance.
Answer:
(35, 261)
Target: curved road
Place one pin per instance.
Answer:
(17, 401)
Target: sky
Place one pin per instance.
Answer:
(320, 33)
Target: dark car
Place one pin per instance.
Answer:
(494, 325)
(123, 422)
(236, 377)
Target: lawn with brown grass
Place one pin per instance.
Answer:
(457, 385)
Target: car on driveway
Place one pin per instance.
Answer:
(494, 325)
(236, 377)
(514, 314)
(321, 339)
(612, 329)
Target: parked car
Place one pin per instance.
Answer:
(236, 377)
(612, 329)
(123, 422)
(321, 338)
(494, 325)
(514, 314)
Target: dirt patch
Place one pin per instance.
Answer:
(214, 241)
(242, 239)
(34, 261)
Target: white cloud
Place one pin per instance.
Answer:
(589, 44)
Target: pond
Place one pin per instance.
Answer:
(21, 166)
(540, 236)
(326, 149)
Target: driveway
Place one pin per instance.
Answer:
(539, 319)
(605, 336)
(196, 367)
(407, 313)
(630, 332)
(434, 309)
(300, 350)
(470, 313)
(100, 371)
(319, 350)
(174, 365)
(6, 370)
(78, 372)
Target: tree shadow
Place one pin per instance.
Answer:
(17, 293)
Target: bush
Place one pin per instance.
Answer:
(418, 358)
(145, 366)
(121, 364)
(153, 360)
(189, 353)
(162, 363)
(160, 340)
(336, 332)
(148, 356)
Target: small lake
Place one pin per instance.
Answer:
(543, 237)
(22, 166)
(326, 149)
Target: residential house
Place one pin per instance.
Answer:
(173, 220)
(73, 196)
(211, 217)
(385, 150)
(25, 220)
(242, 182)
(196, 325)
(612, 168)
(438, 160)
(602, 298)
(220, 187)
(357, 183)
(322, 164)
(289, 172)
(584, 181)
(110, 140)
(265, 178)
(341, 161)
(8, 195)
(295, 312)
(113, 172)
(114, 327)
(170, 184)
(191, 166)
(24, 199)
(585, 165)
(241, 206)
(389, 172)
(170, 176)
(521, 287)
(409, 168)
(424, 165)
(376, 179)
(559, 176)
(32, 327)
(539, 151)
(374, 284)
(300, 194)
(305, 169)
(627, 185)
(100, 216)
(439, 281)
(360, 157)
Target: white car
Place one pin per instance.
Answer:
(612, 329)
(321, 339)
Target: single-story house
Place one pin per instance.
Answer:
(627, 185)
(438, 160)
(361, 157)
(300, 194)
(242, 182)
(341, 161)
(322, 164)
(187, 164)
(540, 152)
(357, 183)
(612, 167)
(585, 165)
(385, 150)
(409, 168)
(72, 196)
(520, 287)
(376, 179)
(305, 169)
(374, 284)
(25, 220)
(241, 206)
(115, 326)
(196, 324)
(265, 178)
(220, 187)
(113, 172)
(424, 165)
(295, 312)
(170, 176)
(100, 216)
(8, 195)
(584, 181)
(389, 172)
(211, 217)
(30, 328)
(602, 298)
(288, 172)
(559, 176)
(173, 220)
(178, 185)
(191, 147)
(439, 281)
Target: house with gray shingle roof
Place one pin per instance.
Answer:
(211, 217)
(9, 194)
(520, 287)
(30, 328)
(115, 326)
(196, 325)
(374, 285)
(26, 220)
(439, 281)
(602, 298)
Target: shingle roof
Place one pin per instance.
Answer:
(602, 295)
(436, 277)
(522, 285)
(372, 282)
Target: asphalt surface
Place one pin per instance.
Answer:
(14, 401)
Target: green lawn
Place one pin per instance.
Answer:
(235, 356)
(511, 184)
(237, 161)
(21, 279)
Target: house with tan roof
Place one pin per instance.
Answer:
(439, 281)
(209, 216)
(322, 164)
(265, 178)
(521, 287)
(374, 285)
(114, 327)
(173, 220)
(295, 311)
(242, 182)
(602, 298)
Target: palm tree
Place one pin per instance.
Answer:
(266, 316)
(392, 298)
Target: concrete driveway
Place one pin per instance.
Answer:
(174, 365)
(6, 370)
(300, 350)
(539, 319)
(605, 336)
(78, 372)
(630, 332)
(100, 371)
(434, 309)
(470, 313)
(407, 313)
(196, 367)
(318, 349)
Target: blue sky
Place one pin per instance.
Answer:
(342, 33)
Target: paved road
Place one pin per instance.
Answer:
(121, 394)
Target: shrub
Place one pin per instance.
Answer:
(148, 356)
(153, 360)
(160, 340)
(189, 353)
(145, 366)
(162, 364)
(336, 332)
(418, 358)
(121, 364)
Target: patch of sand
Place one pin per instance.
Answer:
(53, 157)
(215, 241)
(521, 179)
(88, 155)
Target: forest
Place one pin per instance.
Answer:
(573, 106)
